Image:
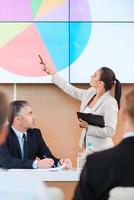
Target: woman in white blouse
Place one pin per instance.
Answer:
(95, 100)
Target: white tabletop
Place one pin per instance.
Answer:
(48, 175)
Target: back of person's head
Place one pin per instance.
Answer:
(3, 116)
(15, 108)
(109, 78)
(129, 105)
(3, 110)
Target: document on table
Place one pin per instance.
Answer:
(49, 169)
(54, 168)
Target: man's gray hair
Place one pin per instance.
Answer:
(15, 108)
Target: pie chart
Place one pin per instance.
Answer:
(53, 29)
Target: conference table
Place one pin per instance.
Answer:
(64, 179)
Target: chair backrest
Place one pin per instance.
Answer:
(55, 193)
(121, 193)
(20, 187)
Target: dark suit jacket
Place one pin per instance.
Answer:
(10, 152)
(106, 170)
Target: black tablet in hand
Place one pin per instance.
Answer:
(93, 119)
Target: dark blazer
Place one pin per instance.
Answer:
(106, 170)
(10, 152)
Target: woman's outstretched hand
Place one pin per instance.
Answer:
(48, 69)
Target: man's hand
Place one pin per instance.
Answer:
(67, 163)
(83, 124)
(45, 163)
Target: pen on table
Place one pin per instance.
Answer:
(46, 157)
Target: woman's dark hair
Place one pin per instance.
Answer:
(15, 108)
(109, 78)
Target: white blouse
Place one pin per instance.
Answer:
(87, 110)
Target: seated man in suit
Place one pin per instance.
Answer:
(3, 116)
(110, 168)
(11, 185)
(25, 142)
